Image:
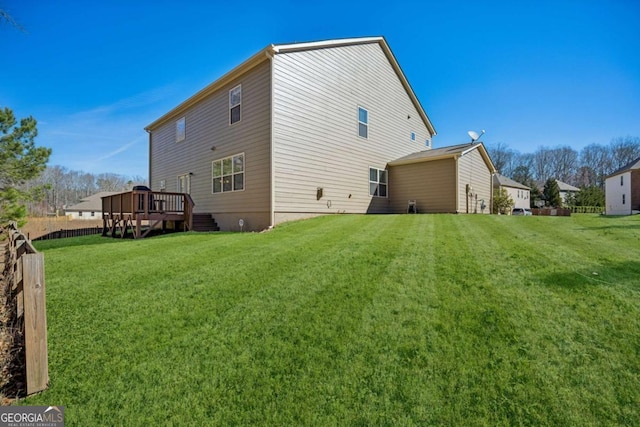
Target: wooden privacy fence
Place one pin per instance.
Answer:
(24, 283)
(77, 232)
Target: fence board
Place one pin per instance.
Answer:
(35, 322)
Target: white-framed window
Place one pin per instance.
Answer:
(363, 122)
(377, 182)
(621, 179)
(228, 174)
(427, 143)
(93, 214)
(235, 102)
(80, 212)
(624, 199)
(413, 136)
(180, 129)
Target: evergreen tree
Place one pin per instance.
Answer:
(551, 193)
(502, 202)
(20, 160)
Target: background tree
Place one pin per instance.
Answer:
(502, 202)
(624, 150)
(502, 157)
(20, 160)
(551, 193)
(590, 196)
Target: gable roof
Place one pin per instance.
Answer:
(271, 50)
(452, 151)
(563, 186)
(632, 165)
(503, 181)
(92, 203)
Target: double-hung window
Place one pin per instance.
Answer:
(377, 182)
(180, 129)
(363, 123)
(228, 174)
(235, 101)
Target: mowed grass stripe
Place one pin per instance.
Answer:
(357, 320)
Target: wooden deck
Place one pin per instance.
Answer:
(139, 212)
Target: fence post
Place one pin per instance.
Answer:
(35, 323)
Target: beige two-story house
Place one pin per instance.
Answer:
(300, 130)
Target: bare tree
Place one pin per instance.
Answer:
(502, 157)
(564, 163)
(595, 160)
(624, 150)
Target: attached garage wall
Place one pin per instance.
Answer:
(432, 184)
(473, 170)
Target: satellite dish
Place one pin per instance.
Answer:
(474, 135)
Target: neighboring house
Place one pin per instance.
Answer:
(299, 130)
(566, 190)
(89, 207)
(519, 193)
(622, 190)
(454, 179)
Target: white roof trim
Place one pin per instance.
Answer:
(324, 43)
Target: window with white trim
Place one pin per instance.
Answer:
(180, 129)
(363, 122)
(624, 199)
(235, 101)
(413, 136)
(621, 179)
(228, 174)
(377, 182)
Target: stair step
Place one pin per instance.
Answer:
(204, 222)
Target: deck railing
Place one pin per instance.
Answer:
(149, 205)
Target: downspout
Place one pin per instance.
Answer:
(272, 208)
(455, 160)
(149, 176)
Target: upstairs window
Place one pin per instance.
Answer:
(377, 182)
(228, 174)
(363, 123)
(413, 136)
(427, 143)
(235, 100)
(180, 130)
(621, 179)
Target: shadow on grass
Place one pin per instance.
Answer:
(44, 245)
(619, 273)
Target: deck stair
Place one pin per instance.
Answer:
(204, 222)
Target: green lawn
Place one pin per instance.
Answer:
(351, 320)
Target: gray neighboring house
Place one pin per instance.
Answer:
(89, 207)
(297, 130)
(565, 190)
(519, 193)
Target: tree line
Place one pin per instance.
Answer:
(585, 168)
(60, 188)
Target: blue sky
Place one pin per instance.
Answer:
(532, 73)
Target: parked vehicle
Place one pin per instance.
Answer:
(521, 211)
